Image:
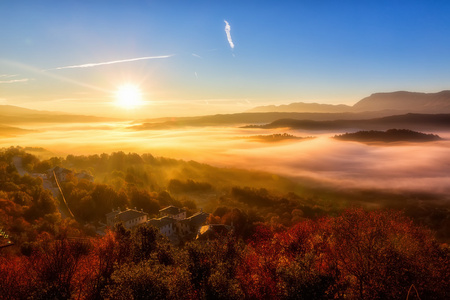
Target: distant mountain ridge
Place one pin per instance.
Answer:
(407, 121)
(406, 101)
(10, 114)
(303, 107)
(400, 102)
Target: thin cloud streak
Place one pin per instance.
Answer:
(227, 31)
(8, 76)
(14, 81)
(51, 75)
(90, 65)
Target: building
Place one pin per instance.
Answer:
(173, 222)
(60, 173)
(129, 218)
(166, 225)
(173, 212)
(192, 224)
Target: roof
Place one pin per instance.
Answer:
(161, 222)
(196, 219)
(130, 214)
(112, 214)
(58, 170)
(172, 210)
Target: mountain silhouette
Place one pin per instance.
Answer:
(304, 107)
(406, 101)
(407, 121)
(398, 102)
(10, 114)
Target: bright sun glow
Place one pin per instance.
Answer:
(129, 96)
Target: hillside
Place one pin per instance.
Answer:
(406, 101)
(303, 107)
(278, 137)
(8, 131)
(407, 121)
(250, 118)
(18, 115)
(389, 136)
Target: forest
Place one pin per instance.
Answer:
(289, 240)
(389, 136)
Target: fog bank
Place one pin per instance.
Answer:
(408, 166)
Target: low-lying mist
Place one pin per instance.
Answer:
(409, 166)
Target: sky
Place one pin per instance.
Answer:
(205, 57)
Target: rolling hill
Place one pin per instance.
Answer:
(10, 114)
(388, 136)
(304, 107)
(407, 121)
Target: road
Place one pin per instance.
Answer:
(46, 183)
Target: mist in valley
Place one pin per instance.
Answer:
(421, 167)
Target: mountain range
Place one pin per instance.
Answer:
(407, 121)
(305, 115)
(10, 114)
(399, 102)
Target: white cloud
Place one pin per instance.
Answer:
(7, 76)
(90, 65)
(14, 81)
(227, 31)
(196, 55)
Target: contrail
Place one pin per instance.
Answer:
(90, 65)
(227, 31)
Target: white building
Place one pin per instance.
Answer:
(173, 222)
(60, 173)
(192, 224)
(166, 225)
(173, 212)
(129, 218)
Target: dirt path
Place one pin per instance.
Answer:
(19, 166)
(46, 183)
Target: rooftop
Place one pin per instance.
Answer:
(161, 222)
(197, 218)
(58, 170)
(172, 210)
(112, 214)
(129, 214)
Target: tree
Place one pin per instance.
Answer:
(144, 241)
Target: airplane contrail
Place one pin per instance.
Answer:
(90, 65)
(227, 31)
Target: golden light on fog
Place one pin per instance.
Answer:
(129, 96)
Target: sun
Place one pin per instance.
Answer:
(129, 96)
